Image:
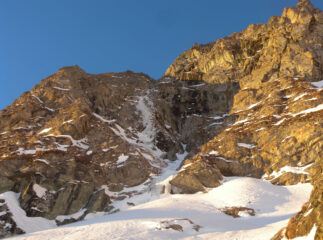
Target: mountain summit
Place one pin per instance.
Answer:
(248, 105)
(305, 5)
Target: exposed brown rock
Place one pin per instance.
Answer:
(235, 211)
(245, 105)
(278, 113)
(75, 132)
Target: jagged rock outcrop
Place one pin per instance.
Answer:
(247, 105)
(278, 130)
(286, 46)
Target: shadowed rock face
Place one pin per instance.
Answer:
(195, 110)
(246, 105)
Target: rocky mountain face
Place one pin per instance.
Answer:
(250, 104)
(278, 129)
(81, 141)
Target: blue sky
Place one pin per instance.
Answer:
(37, 37)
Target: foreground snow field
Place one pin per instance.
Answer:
(199, 215)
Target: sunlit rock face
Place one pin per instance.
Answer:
(277, 133)
(250, 104)
(287, 46)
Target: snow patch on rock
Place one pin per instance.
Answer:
(286, 169)
(39, 190)
(246, 145)
(319, 84)
(122, 159)
(45, 130)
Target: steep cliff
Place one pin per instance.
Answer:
(278, 130)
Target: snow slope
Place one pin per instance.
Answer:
(28, 224)
(274, 205)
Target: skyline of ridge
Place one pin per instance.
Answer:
(41, 37)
